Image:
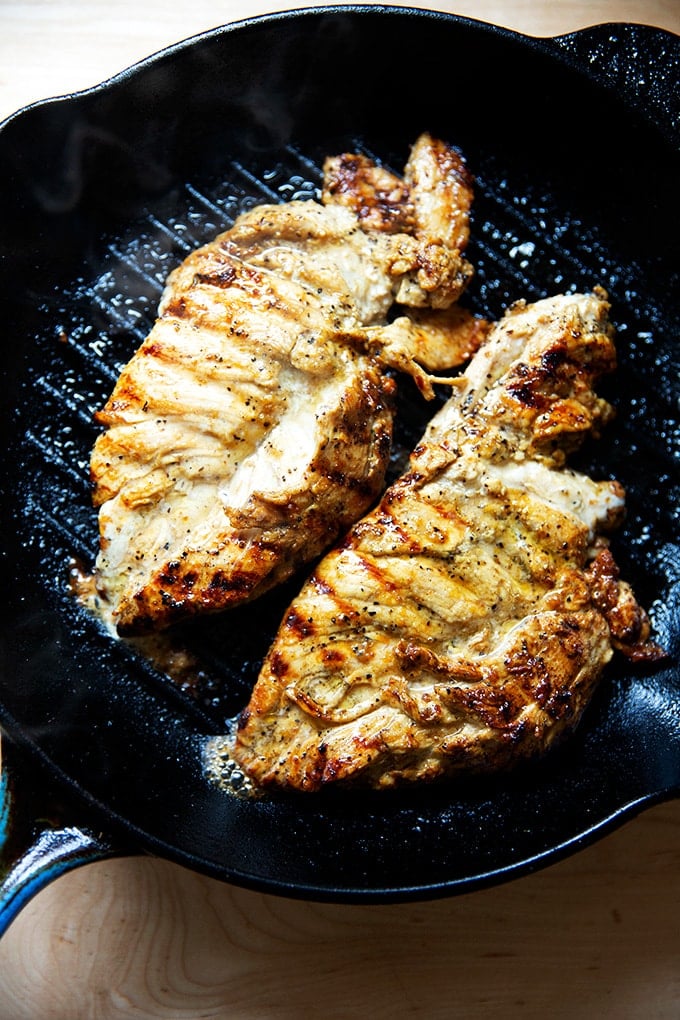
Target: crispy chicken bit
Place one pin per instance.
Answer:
(464, 623)
(253, 425)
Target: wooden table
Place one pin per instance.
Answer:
(597, 935)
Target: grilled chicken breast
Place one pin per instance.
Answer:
(464, 623)
(253, 425)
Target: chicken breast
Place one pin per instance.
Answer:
(464, 623)
(253, 425)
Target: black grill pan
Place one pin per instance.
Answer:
(574, 146)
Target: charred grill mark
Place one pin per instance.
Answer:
(525, 387)
(339, 611)
(298, 625)
(177, 308)
(278, 664)
(182, 584)
(169, 576)
(240, 582)
(224, 278)
(332, 657)
(369, 566)
(154, 350)
(554, 359)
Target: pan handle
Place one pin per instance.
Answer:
(640, 63)
(36, 846)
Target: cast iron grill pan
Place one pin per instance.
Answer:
(104, 193)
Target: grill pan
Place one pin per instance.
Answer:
(573, 143)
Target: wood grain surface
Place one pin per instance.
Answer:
(596, 935)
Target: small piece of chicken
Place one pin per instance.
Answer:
(253, 425)
(464, 623)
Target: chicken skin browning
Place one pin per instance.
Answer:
(463, 624)
(253, 425)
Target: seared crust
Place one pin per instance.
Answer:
(253, 425)
(464, 623)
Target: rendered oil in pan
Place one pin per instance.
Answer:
(521, 249)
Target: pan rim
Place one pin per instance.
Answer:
(546, 42)
(440, 889)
